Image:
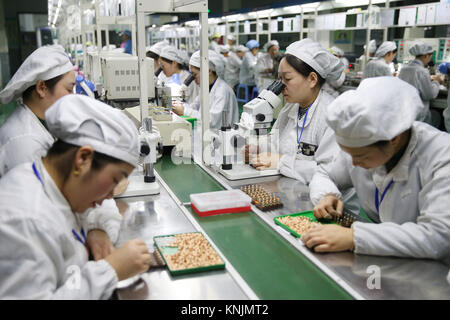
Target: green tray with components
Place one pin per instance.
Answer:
(306, 214)
(165, 246)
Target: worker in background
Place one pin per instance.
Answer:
(221, 96)
(303, 135)
(43, 255)
(248, 67)
(214, 44)
(231, 40)
(340, 54)
(264, 64)
(379, 66)
(399, 168)
(43, 78)
(372, 50)
(233, 66)
(126, 44)
(225, 52)
(153, 52)
(417, 75)
(172, 62)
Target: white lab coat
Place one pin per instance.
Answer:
(414, 218)
(377, 68)
(419, 77)
(213, 45)
(315, 133)
(263, 62)
(331, 87)
(232, 68)
(221, 98)
(24, 139)
(247, 71)
(39, 256)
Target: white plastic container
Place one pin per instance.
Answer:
(220, 202)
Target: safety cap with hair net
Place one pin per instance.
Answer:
(215, 62)
(337, 51)
(127, 32)
(372, 46)
(313, 54)
(231, 37)
(215, 35)
(241, 48)
(44, 63)
(252, 44)
(270, 44)
(83, 121)
(363, 116)
(224, 48)
(157, 47)
(385, 48)
(420, 49)
(171, 53)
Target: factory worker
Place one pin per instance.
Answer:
(340, 54)
(126, 44)
(417, 75)
(379, 66)
(372, 49)
(41, 219)
(233, 66)
(221, 96)
(304, 138)
(247, 71)
(225, 53)
(264, 63)
(45, 76)
(400, 170)
(214, 44)
(172, 61)
(231, 40)
(153, 52)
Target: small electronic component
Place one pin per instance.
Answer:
(263, 200)
(347, 218)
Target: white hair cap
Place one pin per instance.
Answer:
(81, 120)
(420, 49)
(157, 47)
(338, 51)
(363, 116)
(322, 61)
(372, 46)
(44, 63)
(231, 37)
(385, 48)
(215, 62)
(241, 48)
(270, 44)
(224, 48)
(171, 53)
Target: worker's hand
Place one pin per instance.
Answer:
(249, 151)
(330, 206)
(438, 77)
(130, 259)
(329, 238)
(265, 161)
(99, 244)
(121, 187)
(178, 108)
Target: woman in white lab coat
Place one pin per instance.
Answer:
(43, 253)
(233, 66)
(379, 66)
(300, 137)
(221, 96)
(417, 75)
(264, 64)
(248, 67)
(399, 168)
(172, 61)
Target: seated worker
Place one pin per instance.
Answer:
(221, 96)
(233, 66)
(43, 253)
(372, 49)
(153, 52)
(379, 66)
(264, 63)
(304, 138)
(126, 44)
(340, 54)
(417, 75)
(400, 169)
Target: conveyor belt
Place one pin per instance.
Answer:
(270, 266)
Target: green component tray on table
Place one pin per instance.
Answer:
(307, 214)
(190, 119)
(172, 250)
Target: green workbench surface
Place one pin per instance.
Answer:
(272, 267)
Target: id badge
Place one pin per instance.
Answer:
(306, 149)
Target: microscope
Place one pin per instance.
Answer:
(255, 122)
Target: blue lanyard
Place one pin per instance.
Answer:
(83, 241)
(378, 202)
(303, 126)
(77, 236)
